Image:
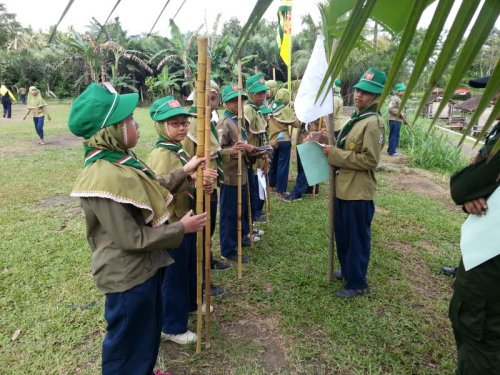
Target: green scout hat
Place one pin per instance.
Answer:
(256, 83)
(165, 108)
(372, 81)
(97, 108)
(400, 87)
(276, 106)
(265, 110)
(231, 91)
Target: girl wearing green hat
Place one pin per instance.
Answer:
(355, 158)
(126, 211)
(179, 280)
(189, 144)
(227, 129)
(256, 127)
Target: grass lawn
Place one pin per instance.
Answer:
(280, 319)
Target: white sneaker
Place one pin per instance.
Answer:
(255, 238)
(203, 309)
(258, 232)
(185, 338)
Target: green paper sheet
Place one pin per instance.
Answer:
(314, 162)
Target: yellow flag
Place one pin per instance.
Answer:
(284, 34)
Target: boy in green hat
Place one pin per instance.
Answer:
(179, 279)
(227, 129)
(189, 144)
(126, 211)
(395, 119)
(257, 136)
(279, 139)
(355, 158)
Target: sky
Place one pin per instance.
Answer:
(139, 16)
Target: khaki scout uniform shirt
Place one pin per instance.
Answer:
(162, 162)
(228, 136)
(190, 142)
(356, 163)
(394, 106)
(125, 250)
(338, 113)
(279, 123)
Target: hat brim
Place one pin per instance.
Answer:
(233, 95)
(479, 83)
(265, 111)
(172, 113)
(368, 87)
(125, 106)
(259, 87)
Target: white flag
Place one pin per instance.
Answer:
(306, 107)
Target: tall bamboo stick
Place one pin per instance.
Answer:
(319, 129)
(250, 222)
(274, 74)
(201, 104)
(240, 176)
(208, 118)
(331, 201)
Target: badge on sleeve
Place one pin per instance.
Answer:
(351, 146)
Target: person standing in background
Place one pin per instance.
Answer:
(38, 106)
(395, 119)
(7, 99)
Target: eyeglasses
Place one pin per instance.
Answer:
(178, 124)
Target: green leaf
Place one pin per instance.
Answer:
(463, 19)
(489, 92)
(411, 26)
(54, 30)
(428, 45)
(256, 15)
(480, 31)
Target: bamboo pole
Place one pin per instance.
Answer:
(250, 222)
(319, 129)
(201, 103)
(274, 74)
(208, 282)
(331, 201)
(240, 177)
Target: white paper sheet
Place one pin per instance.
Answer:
(480, 240)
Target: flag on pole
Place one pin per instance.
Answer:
(306, 107)
(284, 34)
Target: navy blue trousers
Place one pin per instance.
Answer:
(280, 165)
(353, 236)
(179, 287)
(38, 121)
(229, 219)
(7, 108)
(132, 338)
(394, 130)
(256, 203)
(301, 185)
(214, 202)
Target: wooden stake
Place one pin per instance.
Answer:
(331, 201)
(201, 104)
(240, 176)
(250, 222)
(208, 234)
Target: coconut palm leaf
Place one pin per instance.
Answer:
(488, 94)
(54, 30)
(458, 28)
(159, 15)
(479, 33)
(428, 45)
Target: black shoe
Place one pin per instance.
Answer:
(234, 258)
(217, 291)
(338, 275)
(219, 266)
(291, 197)
(260, 220)
(450, 271)
(351, 293)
